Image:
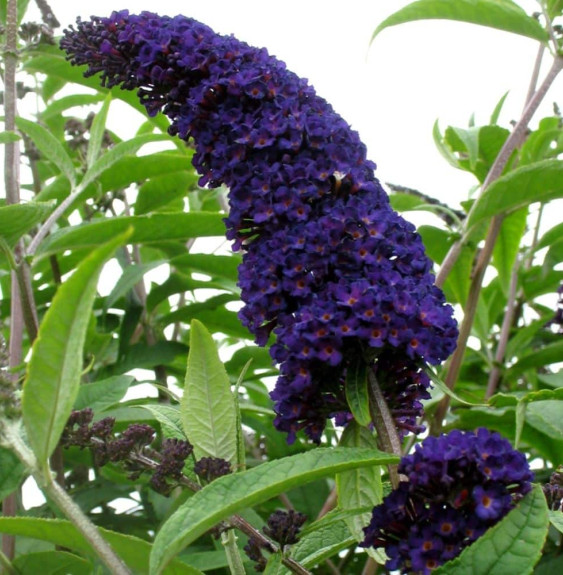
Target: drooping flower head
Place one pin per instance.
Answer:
(458, 485)
(327, 266)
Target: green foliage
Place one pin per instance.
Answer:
(512, 546)
(134, 291)
(231, 493)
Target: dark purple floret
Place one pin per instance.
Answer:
(328, 267)
(458, 486)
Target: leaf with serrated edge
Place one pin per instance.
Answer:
(99, 395)
(133, 551)
(53, 374)
(170, 420)
(499, 14)
(208, 406)
(231, 493)
(511, 546)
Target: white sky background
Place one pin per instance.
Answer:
(391, 92)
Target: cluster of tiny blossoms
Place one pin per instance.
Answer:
(458, 486)
(327, 265)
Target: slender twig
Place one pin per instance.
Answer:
(370, 567)
(7, 566)
(504, 336)
(512, 142)
(329, 504)
(387, 436)
(12, 186)
(229, 541)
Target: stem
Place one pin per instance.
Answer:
(387, 436)
(7, 566)
(507, 322)
(234, 559)
(64, 502)
(12, 186)
(512, 142)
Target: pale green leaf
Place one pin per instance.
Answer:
(170, 420)
(498, 108)
(97, 132)
(55, 368)
(49, 146)
(99, 395)
(511, 546)
(499, 14)
(9, 137)
(537, 182)
(208, 406)
(18, 219)
(62, 104)
(231, 493)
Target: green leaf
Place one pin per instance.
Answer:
(357, 391)
(274, 565)
(12, 472)
(538, 182)
(470, 139)
(134, 551)
(443, 147)
(208, 406)
(130, 277)
(556, 519)
(21, 7)
(547, 417)
(547, 355)
(360, 487)
(508, 244)
(498, 108)
(231, 493)
(323, 542)
(97, 132)
(504, 399)
(146, 229)
(9, 137)
(49, 146)
(53, 374)
(511, 546)
(162, 191)
(443, 387)
(18, 219)
(74, 100)
(170, 420)
(99, 395)
(116, 153)
(52, 563)
(499, 14)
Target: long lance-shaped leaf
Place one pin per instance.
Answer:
(49, 147)
(53, 375)
(134, 551)
(97, 132)
(357, 391)
(512, 546)
(231, 493)
(499, 14)
(146, 229)
(360, 487)
(538, 182)
(208, 406)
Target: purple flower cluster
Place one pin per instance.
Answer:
(459, 485)
(328, 266)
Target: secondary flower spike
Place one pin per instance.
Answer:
(327, 265)
(458, 486)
